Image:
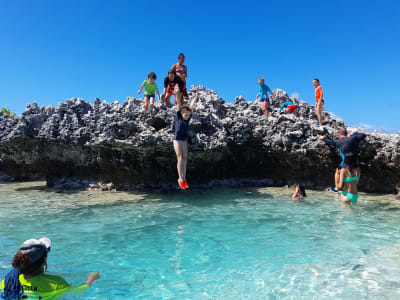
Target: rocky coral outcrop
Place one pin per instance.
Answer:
(78, 144)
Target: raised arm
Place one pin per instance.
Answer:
(193, 105)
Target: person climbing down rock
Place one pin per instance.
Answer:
(345, 145)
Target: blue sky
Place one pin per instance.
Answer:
(56, 49)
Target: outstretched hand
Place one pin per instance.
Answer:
(322, 137)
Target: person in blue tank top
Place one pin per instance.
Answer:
(263, 94)
(181, 126)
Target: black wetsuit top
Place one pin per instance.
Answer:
(347, 145)
(181, 127)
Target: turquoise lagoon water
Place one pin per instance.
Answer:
(217, 244)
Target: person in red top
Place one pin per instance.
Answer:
(319, 97)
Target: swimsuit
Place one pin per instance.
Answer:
(318, 94)
(170, 85)
(181, 127)
(352, 197)
(264, 89)
(182, 71)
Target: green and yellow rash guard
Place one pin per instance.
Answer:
(47, 287)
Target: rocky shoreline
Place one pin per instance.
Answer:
(118, 146)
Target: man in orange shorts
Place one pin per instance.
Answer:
(319, 97)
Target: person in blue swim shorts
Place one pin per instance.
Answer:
(263, 94)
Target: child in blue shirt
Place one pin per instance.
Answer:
(263, 94)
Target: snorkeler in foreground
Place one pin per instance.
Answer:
(28, 279)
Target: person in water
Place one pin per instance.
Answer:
(28, 279)
(299, 194)
(349, 178)
(181, 126)
(319, 97)
(288, 107)
(263, 94)
(172, 83)
(150, 87)
(345, 145)
(181, 70)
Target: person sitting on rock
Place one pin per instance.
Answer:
(181, 126)
(349, 177)
(172, 83)
(345, 145)
(28, 279)
(150, 89)
(288, 107)
(181, 71)
(299, 194)
(263, 94)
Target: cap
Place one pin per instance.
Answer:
(36, 249)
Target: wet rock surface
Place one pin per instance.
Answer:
(119, 146)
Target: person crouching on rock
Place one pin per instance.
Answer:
(299, 194)
(150, 87)
(171, 84)
(181, 126)
(28, 279)
(288, 107)
(263, 94)
(349, 177)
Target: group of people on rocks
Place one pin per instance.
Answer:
(346, 175)
(289, 106)
(28, 278)
(174, 85)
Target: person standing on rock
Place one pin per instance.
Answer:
(181, 126)
(349, 177)
(319, 97)
(150, 87)
(181, 71)
(172, 83)
(345, 145)
(263, 94)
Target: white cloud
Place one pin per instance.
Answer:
(371, 127)
(295, 95)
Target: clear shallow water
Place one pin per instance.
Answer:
(220, 244)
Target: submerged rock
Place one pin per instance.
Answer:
(80, 145)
